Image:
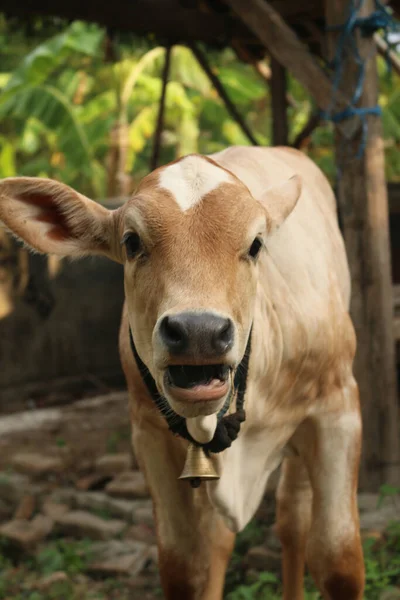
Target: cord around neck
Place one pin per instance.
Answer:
(228, 426)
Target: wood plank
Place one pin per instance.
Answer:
(293, 8)
(167, 20)
(396, 329)
(396, 299)
(363, 205)
(396, 319)
(394, 198)
(283, 44)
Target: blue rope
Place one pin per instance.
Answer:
(381, 18)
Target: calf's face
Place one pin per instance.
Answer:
(192, 236)
(190, 240)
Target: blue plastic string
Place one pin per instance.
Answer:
(381, 18)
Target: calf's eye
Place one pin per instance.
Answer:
(132, 244)
(255, 248)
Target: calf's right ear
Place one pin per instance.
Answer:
(53, 218)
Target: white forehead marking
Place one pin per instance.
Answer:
(190, 179)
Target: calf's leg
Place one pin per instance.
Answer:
(294, 500)
(194, 544)
(330, 444)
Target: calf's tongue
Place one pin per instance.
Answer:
(188, 376)
(202, 428)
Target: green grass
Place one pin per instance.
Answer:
(382, 565)
(61, 555)
(17, 581)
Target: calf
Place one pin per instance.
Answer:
(235, 325)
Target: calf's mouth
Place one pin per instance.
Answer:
(198, 383)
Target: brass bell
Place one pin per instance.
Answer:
(198, 467)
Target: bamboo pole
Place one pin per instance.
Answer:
(278, 83)
(161, 111)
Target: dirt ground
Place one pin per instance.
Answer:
(76, 519)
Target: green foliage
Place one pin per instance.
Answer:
(262, 588)
(69, 113)
(19, 582)
(382, 564)
(388, 491)
(37, 108)
(63, 555)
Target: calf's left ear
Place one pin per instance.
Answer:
(53, 218)
(280, 200)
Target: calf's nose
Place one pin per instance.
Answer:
(202, 334)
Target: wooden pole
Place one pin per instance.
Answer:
(363, 203)
(280, 128)
(231, 108)
(265, 73)
(161, 111)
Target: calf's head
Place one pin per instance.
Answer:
(190, 240)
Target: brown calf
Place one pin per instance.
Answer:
(230, 259)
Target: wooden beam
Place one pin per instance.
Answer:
(280, 128)
(283, 44)
(293, 8)
(388, 54)
(163, 19)
(363, 205)
(394, 198)
(231, 108)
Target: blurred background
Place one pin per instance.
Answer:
(80, 105)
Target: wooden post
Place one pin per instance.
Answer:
(265, 73)
(363, 204)
(280, 128)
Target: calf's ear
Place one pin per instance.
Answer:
(280, 200)
(51, 217)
